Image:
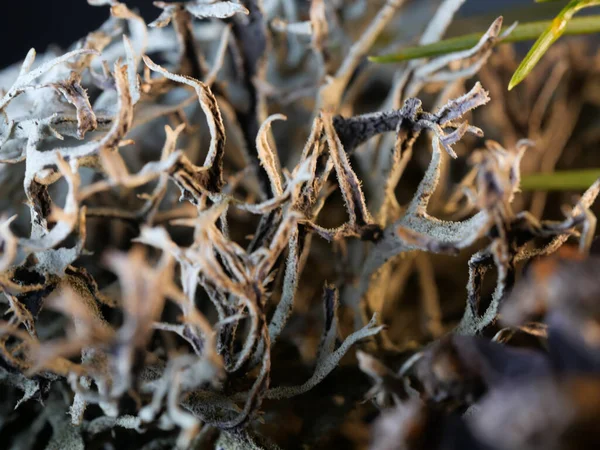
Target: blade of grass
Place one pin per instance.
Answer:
(547, 38)
(522, 32)
(560, 181)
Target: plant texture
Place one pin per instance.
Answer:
(226, 229)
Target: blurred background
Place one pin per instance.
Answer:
(40, 23)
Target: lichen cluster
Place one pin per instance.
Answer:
(202, 216)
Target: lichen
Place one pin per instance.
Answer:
(192, 247)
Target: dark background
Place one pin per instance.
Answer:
(39, 23)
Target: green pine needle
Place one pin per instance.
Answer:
(522, 32)
(555, 30)
(567, 180)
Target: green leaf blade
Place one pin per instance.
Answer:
(523, 32)
(547, 38)
(536, 52)
(567, 180)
